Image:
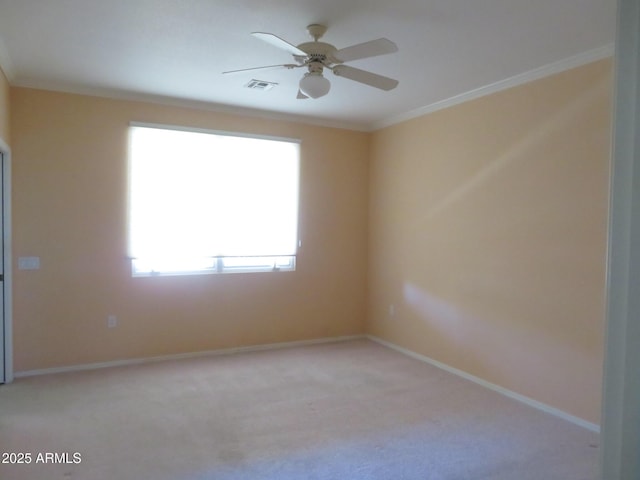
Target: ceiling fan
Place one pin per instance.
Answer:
(315, 56)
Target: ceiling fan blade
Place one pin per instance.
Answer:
(368, 78)
(301, 96)
(279, 43)
(381, 46)
(286, 65)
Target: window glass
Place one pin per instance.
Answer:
(202, 202)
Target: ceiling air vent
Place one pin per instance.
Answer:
(260, 85)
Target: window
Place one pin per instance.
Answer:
(209, 202)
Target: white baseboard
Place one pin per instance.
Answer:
(491, 386)
(181, 356)
(316, 341)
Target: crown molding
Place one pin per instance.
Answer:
(114, 94)
(5, 62)
(526, 77)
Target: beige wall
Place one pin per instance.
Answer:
(69, 184)
(488, 225)
(4, 107)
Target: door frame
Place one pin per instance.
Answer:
(621, 401)
(8, 269)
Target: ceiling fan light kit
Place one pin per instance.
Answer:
(316, 56)
(314, 85)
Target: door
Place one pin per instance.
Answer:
(3, 360)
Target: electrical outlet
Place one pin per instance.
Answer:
(392, 310)
(112, 321)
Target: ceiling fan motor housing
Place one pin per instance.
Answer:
(319, 52)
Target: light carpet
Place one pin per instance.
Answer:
(350, 410)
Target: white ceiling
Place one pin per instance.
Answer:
(175, 50)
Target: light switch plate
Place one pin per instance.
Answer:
(28, 263)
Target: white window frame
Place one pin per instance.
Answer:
(215, 264)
